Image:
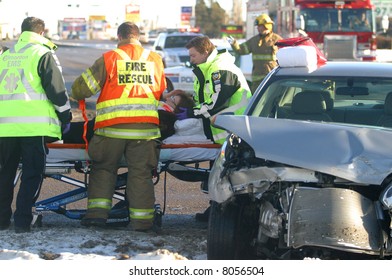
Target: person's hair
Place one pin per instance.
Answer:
(186, 101)
(128, 30)
(33, 24)
(201, 44)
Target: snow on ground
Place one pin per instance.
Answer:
(59, 238)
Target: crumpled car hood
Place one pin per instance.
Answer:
(358, 154)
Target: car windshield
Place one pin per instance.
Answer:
(177, 41)
(343, 99)
(324, 20)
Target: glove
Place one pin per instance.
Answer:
(183, 114)
(230, 40)
(202, 111)
(65, 128)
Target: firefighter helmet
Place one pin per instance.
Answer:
(265, 20)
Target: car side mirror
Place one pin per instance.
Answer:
(158, 48)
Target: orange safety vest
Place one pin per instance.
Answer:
(134, 84)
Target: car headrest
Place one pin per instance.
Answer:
(388, 104)
(308, 102)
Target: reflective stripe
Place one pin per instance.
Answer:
(129, 133)
(2, 74)
(126, 107)
(30, 119)
(90, 81)
(23, 96)
(268, 57)
(101, 203)
(243, 103)
(129, 86)
(218, 138)
(63, 108)
(141, 214)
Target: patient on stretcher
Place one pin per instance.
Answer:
(177, 128)
(177, 123)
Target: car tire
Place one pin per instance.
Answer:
(231, 231)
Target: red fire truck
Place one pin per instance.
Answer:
(343, 30)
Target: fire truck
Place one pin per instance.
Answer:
(343, 30)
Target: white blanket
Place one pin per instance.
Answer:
(188, 131)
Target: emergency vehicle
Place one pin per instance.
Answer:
(343, 30)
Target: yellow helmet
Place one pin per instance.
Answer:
(265, 20)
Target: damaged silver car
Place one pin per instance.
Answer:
(307, 171)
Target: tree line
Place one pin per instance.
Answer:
(209, 19)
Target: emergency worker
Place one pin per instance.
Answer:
(219, 87)
(130, 80)
(34, 104)
(262, 47)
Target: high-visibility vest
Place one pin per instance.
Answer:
(24, 107)
(238, 101)
(131, 93)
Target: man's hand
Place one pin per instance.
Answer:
(202, 111)
(230, 40)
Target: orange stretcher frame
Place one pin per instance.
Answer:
(163, 146)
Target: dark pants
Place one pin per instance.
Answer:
(31, 152)
(141, 157)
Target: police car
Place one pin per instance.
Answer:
(182, 77)
(171, 47)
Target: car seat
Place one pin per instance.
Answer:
(329, 102)
(309, 105)
(386, 119)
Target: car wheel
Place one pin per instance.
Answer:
(231, 230)
(170, 86)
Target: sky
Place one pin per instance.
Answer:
(165, 13)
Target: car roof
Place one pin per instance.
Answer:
(180, 34)
(340, 68)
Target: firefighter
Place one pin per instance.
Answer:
(262, 47)
(130, 80)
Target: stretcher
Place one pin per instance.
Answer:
(182, 161)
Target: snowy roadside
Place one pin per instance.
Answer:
(59, 238)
